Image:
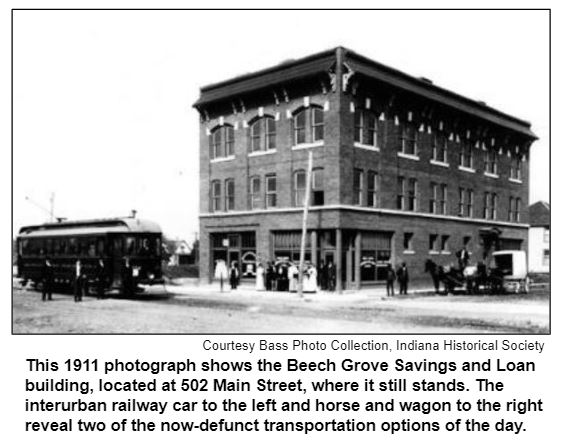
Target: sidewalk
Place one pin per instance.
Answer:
(191, 286)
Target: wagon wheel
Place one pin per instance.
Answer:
(526, 287)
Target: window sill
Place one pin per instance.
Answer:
(366, 147)
(433, 252)
(446, 252)
(408, 156)
(259, 153)
(219, 160)
(409, 252)
(465, 169)
(307, 145)
(515, 180)
(491, 175)
(440, 163)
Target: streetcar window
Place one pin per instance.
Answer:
(117, 247)
(91, 247)
(63, 247)
(56, 246)
(129, 245)
(24, 247)
(157, 246)
(101, 247)
(72, 246)
(49, 246)
(144, 246)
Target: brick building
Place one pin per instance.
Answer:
(403, 170)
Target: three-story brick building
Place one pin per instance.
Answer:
(403, 170)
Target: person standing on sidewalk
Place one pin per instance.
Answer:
(78, 281)
(47, 280)
(403, 277)
(390, 280)
(234, 275)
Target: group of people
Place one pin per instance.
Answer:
(401, 275)
(284, 277)
(80, 280)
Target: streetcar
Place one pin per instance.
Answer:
(138, 241)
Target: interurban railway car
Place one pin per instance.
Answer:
(112, 240)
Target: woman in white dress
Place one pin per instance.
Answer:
(260, 285)
(293, 273)
(310, 279)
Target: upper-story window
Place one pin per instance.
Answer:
(465, 207)
(491, 162)
(490, 203)
(255, 199)
(299, 183)
(318, 187)
(263, 134)
(466, 155)
(440, 148)
(358, 187)
(222, 142)
(373, 188)
(271, 191)
(308, 125)
(438, 198)
(216, 196)
(407, 194)
(514, 205)
(365, 128)
(546, 235)
(409, 139)
(516, 168)
(229, 194)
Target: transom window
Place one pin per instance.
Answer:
(263, 134)
(308, 125)
(222, 142)
(365, 128)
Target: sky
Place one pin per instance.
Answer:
(103, 115)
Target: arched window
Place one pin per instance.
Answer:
(222, 142)
(308, 125)
(263, 134)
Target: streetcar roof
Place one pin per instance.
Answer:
(85, 227)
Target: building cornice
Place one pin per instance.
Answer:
(381, 211)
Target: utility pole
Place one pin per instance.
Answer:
(304, 228)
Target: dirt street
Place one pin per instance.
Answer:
(192, 309)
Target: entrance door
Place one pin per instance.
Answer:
(234, 256)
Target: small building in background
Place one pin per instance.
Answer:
(539, 237)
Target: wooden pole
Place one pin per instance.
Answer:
(304, 227)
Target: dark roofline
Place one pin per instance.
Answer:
(385, 74)
(117, 222)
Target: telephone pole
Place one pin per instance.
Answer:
(304, 227)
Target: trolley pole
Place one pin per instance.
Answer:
(304, 227)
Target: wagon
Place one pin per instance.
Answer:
(510, 270)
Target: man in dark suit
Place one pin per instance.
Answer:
(47, 279)
(403, 277)
(100, 278)
(78, 281)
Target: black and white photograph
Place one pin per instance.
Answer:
(281, 172)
